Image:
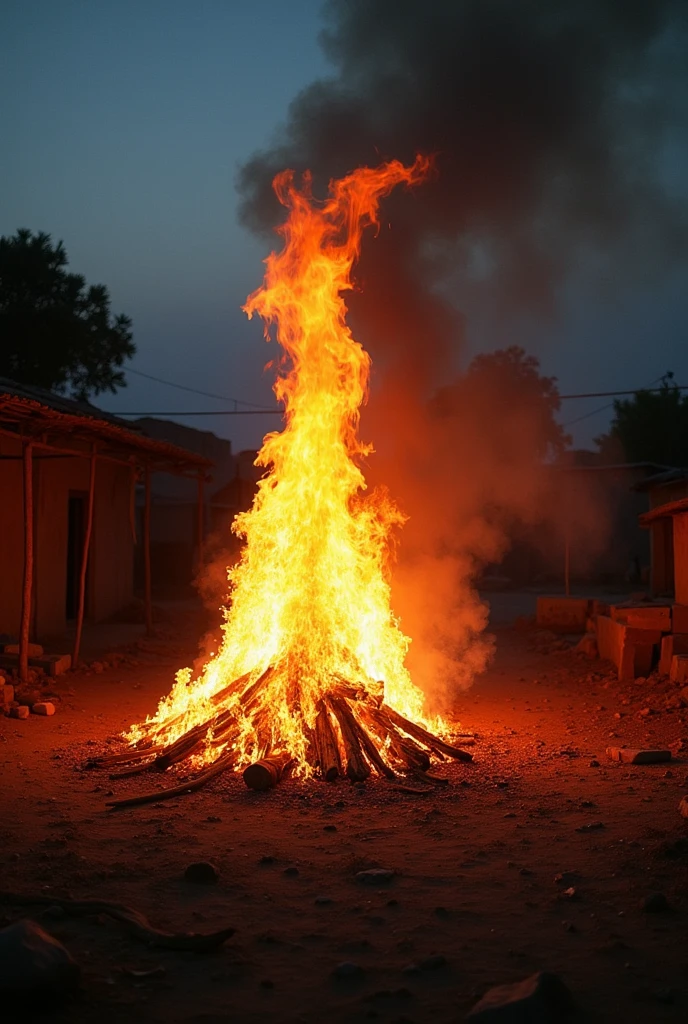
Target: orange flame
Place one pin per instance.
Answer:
(310, 597)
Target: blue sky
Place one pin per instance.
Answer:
(123, 124)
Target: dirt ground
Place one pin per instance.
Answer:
(474, 901)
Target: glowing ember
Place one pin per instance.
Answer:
(311, 666)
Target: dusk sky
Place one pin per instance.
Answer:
(123, 126)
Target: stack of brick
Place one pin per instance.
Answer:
(632, 635)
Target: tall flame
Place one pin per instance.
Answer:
(310, 596)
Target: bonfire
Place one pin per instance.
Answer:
(311, 671)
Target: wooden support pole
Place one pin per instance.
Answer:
(200, 523)
(27, 590)
(84, 559)
(146, 551)
(567, 565)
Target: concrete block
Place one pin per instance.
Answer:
(627, 755)
(43, 707)
(20, 711)
(629, 648)
(6, 693)
(646, 616)
(563, 614)
(679, 669)
(35, 650)
(674, 643)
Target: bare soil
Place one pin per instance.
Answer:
(474, 901)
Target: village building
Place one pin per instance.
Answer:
(68, 532)
(662, 521)
(174, 503)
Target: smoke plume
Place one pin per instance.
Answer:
(547, 120)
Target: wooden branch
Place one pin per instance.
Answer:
(326, 745)
(403, 748)
(357, 768)
(224, 762)
(425, 737)
(371, 751)
(135, 923)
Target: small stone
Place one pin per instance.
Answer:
(591, 826)
(683, 807)
(348, 971)
(202, 872)
(44, 707)
(374, 876)
(97, 667)
(291, 871)
(655, 903)
(267, 859)
(628, 755)
(594, 763)
(323, 901)
(20, 711)
(329, 828)
(566, 878)
(34, 966)
(542, 997)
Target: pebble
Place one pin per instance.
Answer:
(374, 876)
(202, 872)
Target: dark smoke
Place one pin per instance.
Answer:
(547, 119)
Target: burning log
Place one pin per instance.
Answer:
(267, 772)
(326, 746)
(425, 737)
(357, 768)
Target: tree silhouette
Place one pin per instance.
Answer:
(512, 399)
(57, 332)
(652, 426)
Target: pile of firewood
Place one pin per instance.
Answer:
(355, 733)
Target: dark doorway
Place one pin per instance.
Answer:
(76, 530)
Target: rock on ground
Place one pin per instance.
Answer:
(542, 998)
(35, 967)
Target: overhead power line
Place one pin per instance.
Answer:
(219, 412)
(258, 411)
(193, 391)
(618, 394)
(603, 408)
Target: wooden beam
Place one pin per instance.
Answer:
(27, 590)
(148, 600)
(84, 558)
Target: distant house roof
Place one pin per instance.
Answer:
(666, 511)
(55, 421)
(615, 467)
(668, 476)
